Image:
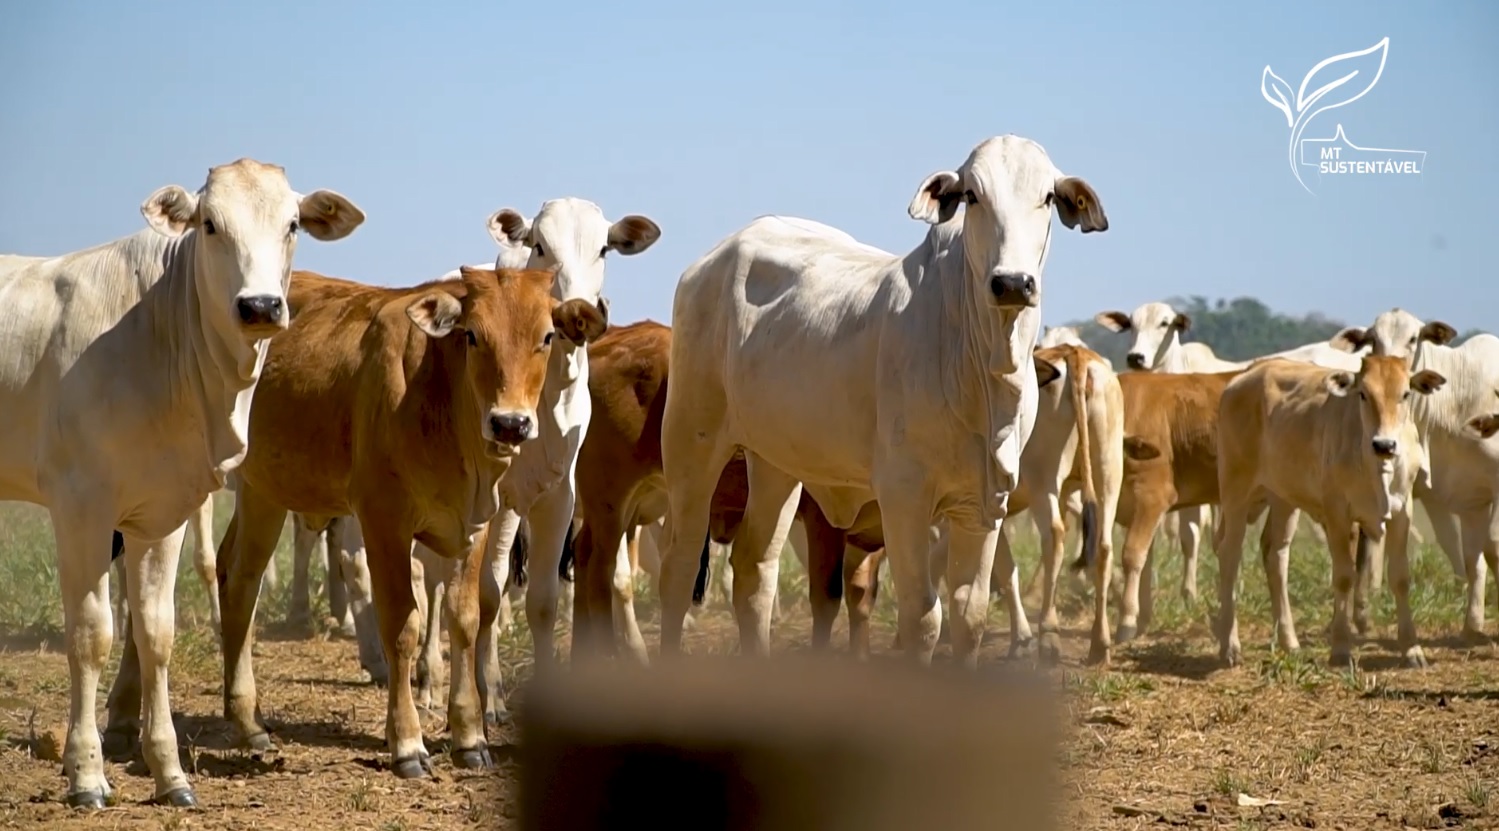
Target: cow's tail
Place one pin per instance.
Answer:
(700, 586)
(520, 553)
(1081, 380)
(569, 554)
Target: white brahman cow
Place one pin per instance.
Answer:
(862, 375)
(1463, 484)
(126, 374)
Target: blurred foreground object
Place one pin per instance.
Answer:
(788, 743)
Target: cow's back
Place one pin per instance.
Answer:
(778, 328)
(627, 384)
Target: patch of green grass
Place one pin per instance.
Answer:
(1228, 782)
(32, 604)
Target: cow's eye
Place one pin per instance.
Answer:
(1362, 396)
(472, 341)
(291, 229)
(537, 249)
(208, 227)
(546, 340)
(969, 197)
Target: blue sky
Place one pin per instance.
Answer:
(703, 116)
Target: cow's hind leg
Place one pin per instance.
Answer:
(622, 589)
(83, 576)
(861, 588)
(307, 532)
(1475, 539)
(243, 554)
(756, 555)
(1004, 580)
(436, 575)
(1191, 521)
(355, 567)
(204, 558)
(826, 567)
(1275, 551)
(693, 456)
(1138, 540)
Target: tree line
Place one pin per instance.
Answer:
(1238, 330)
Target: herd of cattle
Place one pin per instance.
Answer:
(881, 406)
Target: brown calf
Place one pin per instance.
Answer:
(402, 407)
(1297, 436)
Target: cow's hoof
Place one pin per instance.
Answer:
(418, 766)
(496, 718)
(120, 743)
(1415, 658)
(1023, 650)
(1474, 636)
(259, 742)
(1051, 648)
(1125, 634)
(90, 800)
(1231, 655)
(182, 797)
(474, 758)
(1099, 655)
(1340, 659)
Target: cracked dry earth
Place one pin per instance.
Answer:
(1161, 738)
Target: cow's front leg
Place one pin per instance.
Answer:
(470, 749)
(389, 551)
(83, 576)
(550, 519)
(906, 503)
(970, 563)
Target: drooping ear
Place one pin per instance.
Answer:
(1046, 372)
(1181, 322)
(1339, 383)
(435, 313)
(1113, 321)
(1078, 205)
(1484, 425)
(1427, 381)
(1438, 333)
(1139, 449)
(171, 210)
(633, 234)
(507, 226)
(936, 200)
(1351, 339)
(579, 321)
(328, 215)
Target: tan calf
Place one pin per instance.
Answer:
(1341, 447)
(422, 398)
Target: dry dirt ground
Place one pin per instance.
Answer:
(1161, 738)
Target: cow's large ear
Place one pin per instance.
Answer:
(171, 210)
(1484, 425)
(1046, 371)
(436, 313)
(507, 227)
(633, 234)
(579, 321)
(937, 199)
(1078, 205)
(328, 215)
(1438, 333)
(1339, 383)
(1351, 339)
(1427, 381)
(1113, 321)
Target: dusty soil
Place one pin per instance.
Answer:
(1161, 738)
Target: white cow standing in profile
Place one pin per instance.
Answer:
(126, 375)
(862, 375)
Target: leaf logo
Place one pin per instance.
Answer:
(1339, 80)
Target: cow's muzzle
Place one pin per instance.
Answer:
(1135, 360)
(1384, 448)
(1014, 289)
(510, 429)
(261, 311)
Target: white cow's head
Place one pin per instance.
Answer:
(1009, 187)
(1059, 335)
(1396, 332)
(573, 236)
(1157, 329)
(245, 219)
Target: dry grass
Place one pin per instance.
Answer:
(1161, 737)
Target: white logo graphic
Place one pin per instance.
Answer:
(1336, 155)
